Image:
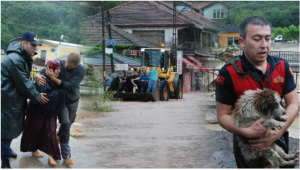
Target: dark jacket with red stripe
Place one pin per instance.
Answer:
(231, 85)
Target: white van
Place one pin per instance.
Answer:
(278, 38)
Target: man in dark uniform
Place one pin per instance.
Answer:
(255, 65)
(127, 87)
(16, 87)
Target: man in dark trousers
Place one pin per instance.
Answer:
(250, 71)
(127, 87)
(198, 83)
(16, 87)
(72, 73)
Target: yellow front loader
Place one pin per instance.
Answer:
(170, 84)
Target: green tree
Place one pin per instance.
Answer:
(294, 31)
(278, 31)
(286, 33)
(279, 13)
(5, 36)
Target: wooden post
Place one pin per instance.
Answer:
(111, 55)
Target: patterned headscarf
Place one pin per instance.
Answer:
(53, 64)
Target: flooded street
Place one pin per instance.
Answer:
(173, 134)
(149, 135)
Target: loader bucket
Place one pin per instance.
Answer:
(139, 96)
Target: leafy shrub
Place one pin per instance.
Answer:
(99, 100)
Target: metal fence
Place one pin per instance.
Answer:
(287, 55)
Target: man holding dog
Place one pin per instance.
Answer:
(254, 68)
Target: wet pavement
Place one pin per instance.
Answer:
(171, 134)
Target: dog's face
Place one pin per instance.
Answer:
(267, 102)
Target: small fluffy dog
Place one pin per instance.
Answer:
(251, 106)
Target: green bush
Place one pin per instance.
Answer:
(291, 32)
(99, 101)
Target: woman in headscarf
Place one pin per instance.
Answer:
(40, 123)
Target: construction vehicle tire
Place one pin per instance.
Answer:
(179, 89)
(164, 91)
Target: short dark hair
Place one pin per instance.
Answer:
(254, 20)
(73, 58)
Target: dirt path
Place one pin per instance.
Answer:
(170, 134)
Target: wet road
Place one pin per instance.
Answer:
(170, 134)
(149, 135)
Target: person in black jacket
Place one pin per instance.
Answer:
(16, 87)
(72, 73)
(40, 123)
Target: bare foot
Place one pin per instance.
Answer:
(37, 154)
(51, 160)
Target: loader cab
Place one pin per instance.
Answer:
(156, 58)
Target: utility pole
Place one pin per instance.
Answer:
(174, 29)
(111, 55)
(103, 47)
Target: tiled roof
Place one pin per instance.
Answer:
(55, 43)
(96, 58)
(94, 35)
(200, 5)
(134, 39)
(193, 17)
(142, 13)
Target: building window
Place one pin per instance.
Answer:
(231, 40)
(52, 49)
(154, 36)
(218, 14)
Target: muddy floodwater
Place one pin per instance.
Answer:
(173, 134)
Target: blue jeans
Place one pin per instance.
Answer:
(151, 86)
(198, 87)
(5, 148)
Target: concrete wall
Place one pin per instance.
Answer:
(60, 50)
(223, 38)
(66, 50)
(47, 47)
(168, 33)
(208, 12)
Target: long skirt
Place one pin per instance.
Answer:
(40, 134)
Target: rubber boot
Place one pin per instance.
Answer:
(5, 164)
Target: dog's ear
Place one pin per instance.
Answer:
(265, 101)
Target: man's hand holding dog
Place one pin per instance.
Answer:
(265, 141)
(256, 130)
(260, 137)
